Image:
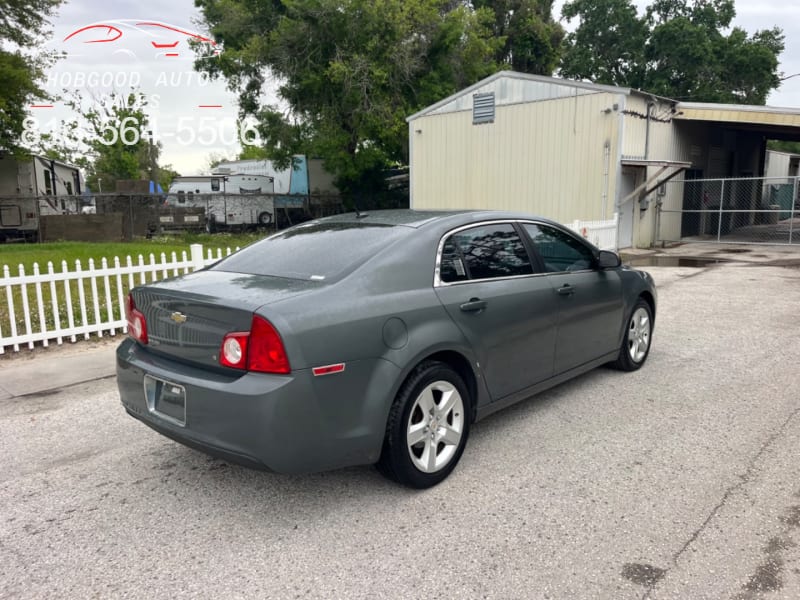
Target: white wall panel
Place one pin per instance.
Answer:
(542, 157)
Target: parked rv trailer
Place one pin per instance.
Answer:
(34, 187)
(302, 191)
(237, 200)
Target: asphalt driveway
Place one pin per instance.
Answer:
(680, 480)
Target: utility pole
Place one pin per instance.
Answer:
(152, 152)
(152, 155)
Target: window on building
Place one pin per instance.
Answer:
(215, 184)
(483, 108)
(48, 182)
(68, 185)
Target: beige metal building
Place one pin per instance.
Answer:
(572, 150)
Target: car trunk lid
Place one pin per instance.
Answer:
(187, 318)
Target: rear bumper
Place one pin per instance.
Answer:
(186, 440)
(285, 423)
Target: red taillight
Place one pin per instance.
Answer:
(137, 324)
(261, 349)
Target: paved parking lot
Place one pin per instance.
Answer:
(681, 480)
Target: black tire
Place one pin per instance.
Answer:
(637, 333)
(211, 224)
(399, 460)
(265, 219)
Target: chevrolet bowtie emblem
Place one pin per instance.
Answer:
(178, 317)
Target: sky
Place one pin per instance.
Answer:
(194, 118)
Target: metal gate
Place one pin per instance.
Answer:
(748, 210)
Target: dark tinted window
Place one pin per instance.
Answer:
(484, 252)
(559, 250)
(452, 266)
(314, 251)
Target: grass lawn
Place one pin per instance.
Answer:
(90, 303)
(26, 254)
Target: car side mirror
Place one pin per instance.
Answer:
(608, 260)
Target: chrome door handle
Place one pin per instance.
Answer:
(566, 290)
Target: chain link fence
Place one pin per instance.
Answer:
(114, 217)
(742, 211)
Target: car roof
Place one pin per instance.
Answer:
(419, 218)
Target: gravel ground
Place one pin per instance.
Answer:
(681, 480)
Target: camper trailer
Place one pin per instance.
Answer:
(302, 190)
(34, 187)
(237, 200)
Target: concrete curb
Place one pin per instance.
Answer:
(55, 370)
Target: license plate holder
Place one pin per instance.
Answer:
(166, 399)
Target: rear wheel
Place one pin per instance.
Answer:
(428, 427)
(265, 218)
(636, 343)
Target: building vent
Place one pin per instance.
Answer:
(483, 108)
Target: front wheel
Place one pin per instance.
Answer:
(428, 427)
(636, 343)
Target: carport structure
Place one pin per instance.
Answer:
(573, 150)
(724, 194)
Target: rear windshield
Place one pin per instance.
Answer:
(316, 251)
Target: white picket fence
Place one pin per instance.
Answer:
(602, 234)
(54, 306)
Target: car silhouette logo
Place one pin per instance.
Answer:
(166, 39)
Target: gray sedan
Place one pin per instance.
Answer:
(376, 338)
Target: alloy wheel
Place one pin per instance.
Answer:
(435, 426)
(639, 335)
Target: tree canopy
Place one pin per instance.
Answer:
(23, 27)
(109, 139)
(532, 39)
(682, 49)
(344, 74)
(337, 78)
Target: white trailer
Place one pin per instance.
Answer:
(237, 200)
(35, 187)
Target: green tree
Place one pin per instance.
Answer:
(532, 39)
(250, 152)
(24, 24)
(682, 49)
(608, 46)
(109, 138)
(346, 72)
(166, 175)
(784, 146)
(119, 141)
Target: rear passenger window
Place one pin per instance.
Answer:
(484, 252)
(559, 251)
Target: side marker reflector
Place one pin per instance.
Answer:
(328, 369)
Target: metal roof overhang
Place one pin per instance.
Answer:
(780, 123)
(657, 179)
